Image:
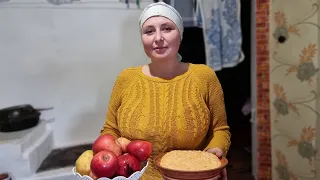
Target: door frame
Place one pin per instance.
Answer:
(253, 120)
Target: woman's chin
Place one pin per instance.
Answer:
(162, 56)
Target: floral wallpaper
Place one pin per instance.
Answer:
(295, 89)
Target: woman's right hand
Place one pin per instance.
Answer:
(219, 153)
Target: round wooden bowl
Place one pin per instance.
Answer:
(170, 174)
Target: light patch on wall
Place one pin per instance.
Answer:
(59, 2)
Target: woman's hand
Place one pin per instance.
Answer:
(218, 152)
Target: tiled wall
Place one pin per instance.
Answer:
(287, 39)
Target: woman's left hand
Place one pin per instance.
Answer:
(218, 152)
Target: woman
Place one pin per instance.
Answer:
(173, 105)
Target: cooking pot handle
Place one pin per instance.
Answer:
(43, 109)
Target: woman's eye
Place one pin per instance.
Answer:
(148, 31)
(167, 29)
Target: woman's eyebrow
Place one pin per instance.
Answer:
(147, 27)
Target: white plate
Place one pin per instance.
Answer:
(134, 176)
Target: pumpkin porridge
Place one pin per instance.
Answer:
(186, 160)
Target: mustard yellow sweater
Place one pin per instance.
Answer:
(186, 112)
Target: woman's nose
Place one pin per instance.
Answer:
(158, 37)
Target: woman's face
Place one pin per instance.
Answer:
(160, 38)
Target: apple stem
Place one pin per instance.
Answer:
(106, 158)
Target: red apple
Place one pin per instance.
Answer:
(123, 142)
(106, 142)
(140, 149)
(104, 164)
(128, 164)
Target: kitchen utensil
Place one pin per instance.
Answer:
(20, 117)
(170, 174)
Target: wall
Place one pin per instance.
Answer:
(66, 56)
(287, 39)
(262, 82)
(294, 87)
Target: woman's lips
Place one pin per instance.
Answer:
(160, 50)
(156, 48)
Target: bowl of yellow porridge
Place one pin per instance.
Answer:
(189, 165)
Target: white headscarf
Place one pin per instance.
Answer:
(165, 10)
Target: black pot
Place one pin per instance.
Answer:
(5, 176)
(21, 117)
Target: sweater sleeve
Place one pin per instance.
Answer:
(111, 125)
(218, 134)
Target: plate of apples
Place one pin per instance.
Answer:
(113, 159)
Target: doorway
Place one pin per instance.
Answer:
(239, 88)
